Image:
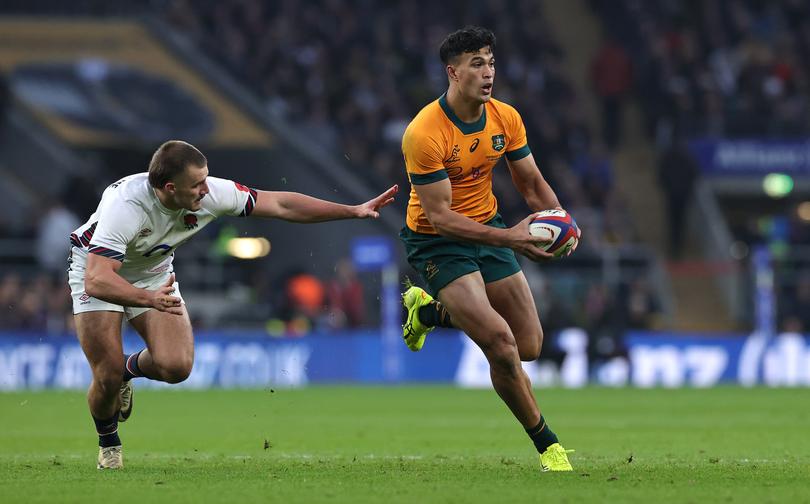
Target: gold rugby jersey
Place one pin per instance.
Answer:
(438, 145)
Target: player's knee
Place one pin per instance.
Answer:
(501, 351)
(529, 353)
(108, 379)
(531, 346)
(177, 371)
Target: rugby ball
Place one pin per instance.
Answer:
(559, 228)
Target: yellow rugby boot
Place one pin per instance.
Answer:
(414, 331)
(555, 458)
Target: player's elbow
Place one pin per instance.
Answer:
(440, 228)
(439, 221)
(92, 285)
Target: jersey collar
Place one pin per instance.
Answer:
(466, 128)
(159, 205)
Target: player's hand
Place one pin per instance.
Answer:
(524, 243)
(371, 208)
(162, 299)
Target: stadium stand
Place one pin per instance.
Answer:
(725, 70)
(728, 69)
(355, 86)
(352, 87)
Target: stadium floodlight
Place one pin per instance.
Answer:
(248, 248)
(777, 185)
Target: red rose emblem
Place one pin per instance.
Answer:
(190, 220)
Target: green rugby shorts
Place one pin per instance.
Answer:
(441, 260)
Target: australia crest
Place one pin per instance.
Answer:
(498, 142)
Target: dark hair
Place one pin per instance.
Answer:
(171, 159)
(466, 40)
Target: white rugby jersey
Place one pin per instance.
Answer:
(132, 226)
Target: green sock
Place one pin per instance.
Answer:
(542, 435)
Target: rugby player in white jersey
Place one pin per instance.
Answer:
(121, 265)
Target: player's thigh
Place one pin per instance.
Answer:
(513, 300)
(466, 300)
(99, 335)
(168, 337)
(439, 260)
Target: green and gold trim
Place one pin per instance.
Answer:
(518, 153)
(466, 128)
(427, 178)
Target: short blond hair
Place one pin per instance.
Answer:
(171, 159)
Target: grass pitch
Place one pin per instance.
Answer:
(412, 444)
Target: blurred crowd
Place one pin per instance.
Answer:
(353, 86)
(793, 313)
(302, 303)
(719, 69)
(727, 68)
(39, 304)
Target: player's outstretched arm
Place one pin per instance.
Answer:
(436, 199)
(297, 207)
(102, 281)
(530, 183)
